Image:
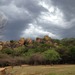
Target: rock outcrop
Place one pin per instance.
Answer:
(29, 41)
(1, 45)
(21, 41)
(47, 38)
(39, 40)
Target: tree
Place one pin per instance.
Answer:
(19, 51)
(51, 56)
(8, 51)
(36, 59)
(64, 53)
(72, 54)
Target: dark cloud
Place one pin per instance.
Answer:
(67, 7)
(4, 2)
(3, 21)
(32, 18)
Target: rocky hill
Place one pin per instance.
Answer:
(14, 44)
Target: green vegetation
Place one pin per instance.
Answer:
(41, 51)
(51, 56)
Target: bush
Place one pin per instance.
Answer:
(7, 51)
(36, 59)
(19, 51)
(72, 55)
(4, 59)
(51, 56)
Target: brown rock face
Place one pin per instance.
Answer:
(38, 40)
(29, 40)
(1, 45)
(4, 43)
(22, 41)
(7, 44)
(47, 38)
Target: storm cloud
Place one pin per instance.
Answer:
(36, 18)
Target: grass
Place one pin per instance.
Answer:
(42, 70)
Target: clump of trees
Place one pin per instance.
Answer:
(51, 56)
(39, 52)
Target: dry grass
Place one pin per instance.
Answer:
(42, 70)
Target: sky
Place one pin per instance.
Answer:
(36, 18)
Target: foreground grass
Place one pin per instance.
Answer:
(42, 70)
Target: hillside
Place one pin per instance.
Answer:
(37, 52)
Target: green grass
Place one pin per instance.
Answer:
(42, 70)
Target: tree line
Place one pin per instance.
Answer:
(41, 51)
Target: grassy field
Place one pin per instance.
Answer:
(42, 70)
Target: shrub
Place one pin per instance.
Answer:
(36, 59)
(7, 51)
(4, 59)
(51, 56)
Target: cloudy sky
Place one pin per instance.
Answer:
(32, 18)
